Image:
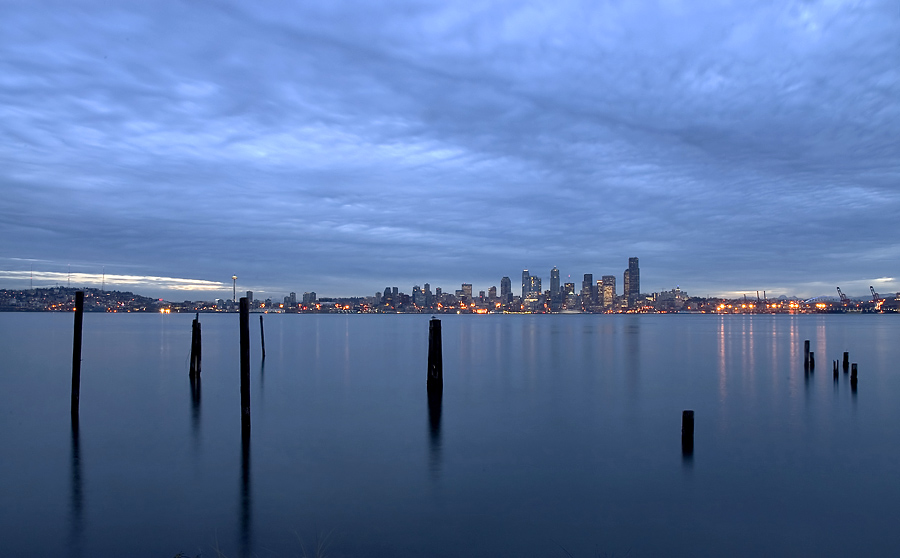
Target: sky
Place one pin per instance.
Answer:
(342, 147)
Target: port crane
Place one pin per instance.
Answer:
(844, 299)
(762, 303)
(875, 300)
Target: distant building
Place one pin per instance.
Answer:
(569, 289)
(609, 290)
(526, 283)
(588, 289)
(293, 299)
(492, 293)
(634, 285)
(467, 290)
(250, 297)
(506, 290)
(534, 285)
(554, 281)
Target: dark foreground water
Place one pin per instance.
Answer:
(556, 436)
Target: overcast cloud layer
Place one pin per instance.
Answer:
(343, 147)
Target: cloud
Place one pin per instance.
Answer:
(149, 282)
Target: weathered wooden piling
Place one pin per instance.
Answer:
(687, 432)
(853, 373)
(812, 360)
(76, 353)
(806, 353)
(835, 367)
(435, 358)
(196, 345)
(262, 337)
(846, 360)
(245, 364)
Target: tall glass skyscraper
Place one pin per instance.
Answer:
(554, 281)
(634, 280)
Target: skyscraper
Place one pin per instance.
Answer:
(506, 290)
(467, 290)
(609, 291)
(626, 286)
(588, 289)
(534, 286)
(634, 276)
(554, 281)
(526, 283)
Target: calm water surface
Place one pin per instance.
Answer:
(556, 435)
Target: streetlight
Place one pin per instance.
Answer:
(234, 288)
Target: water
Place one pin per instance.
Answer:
(556, 436)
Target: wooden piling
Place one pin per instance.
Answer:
(846, 360)
(262, 337)
(435, 358)
(196, 345)
(806, 353)
(245, 364)
(687, 432)
(76, 353)
(853, 372)
(812, 360)
(835, 367)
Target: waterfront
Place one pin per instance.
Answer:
(555, 432)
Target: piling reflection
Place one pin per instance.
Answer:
(77, 494)
(262, 373)
(687, 437)
(246, 504)
(195, 404)
(434, 428)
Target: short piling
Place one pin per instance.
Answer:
(687, 432)
(835, 367)
(806, 353)
(435, 357)
(196, 345)
(262, 337)
(846, 360)
(853, 376)
(812, 360)
(76, 354)
(245, 364)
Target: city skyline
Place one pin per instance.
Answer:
(341, 147)
(191, 289)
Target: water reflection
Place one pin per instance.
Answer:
(434, 429)
(195, 403)
(262, 377)
(77, 494)
(633, 356)
(246, 539)
(723, 382)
